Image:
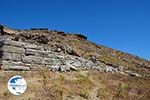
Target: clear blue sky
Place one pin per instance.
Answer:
(120, 24)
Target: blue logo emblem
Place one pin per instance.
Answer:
(17, 85)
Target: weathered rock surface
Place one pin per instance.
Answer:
(30, 54)
(58, 51)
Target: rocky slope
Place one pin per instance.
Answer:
(73, 52)
(80, 69)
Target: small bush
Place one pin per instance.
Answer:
(61, 78)
(84, 93)
(102, 93)
(122, 89)
(83, 80)
(45, 74)
(5, 93)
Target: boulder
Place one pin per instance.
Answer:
(133, 73)
(111, 69)
(68, 64)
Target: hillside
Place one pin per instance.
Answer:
(78, 45)
(100, 72)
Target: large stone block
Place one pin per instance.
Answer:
(16, 57)
(52, 55)
(35, 67)
(9, 62)
(31, 52)
(14, 43)
(75, 63)
(13, 49)
(64, 68)
(33, 46)
(53, 67)
(13, 65)
(7, 56)
(16, 68)
(51, 61)
(35, 52)
(32, 59)
(11, 56)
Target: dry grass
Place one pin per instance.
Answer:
(45, 85)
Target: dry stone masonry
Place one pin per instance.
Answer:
(17, 55)
(27, 51)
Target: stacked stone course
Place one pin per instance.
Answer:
(28, 50)
(16, 55)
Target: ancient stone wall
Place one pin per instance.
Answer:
(25, 56)
(35, 49)
(16, 55)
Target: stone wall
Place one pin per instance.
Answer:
(16, 55)
(25, 56)
(31, 52)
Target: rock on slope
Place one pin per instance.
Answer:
(68, 51)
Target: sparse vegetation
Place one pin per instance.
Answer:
(83, 80)
(45, 74)
(122, 89)
(46, 85)
(84, 93)
(6, 93)
(61, 78)
(102, 94)
(70, 85)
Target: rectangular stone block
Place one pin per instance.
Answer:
(6, 56)
(33, 46)
(53, 67)
(11, 56)
(14, 43)
(35, 67)
(52, 55)
(16, 68)
(13, 49)
(40, 53)
(16, 57)
(13, 65)
(51, 61)
(35, 52)
(32, 59)
(31, 52)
